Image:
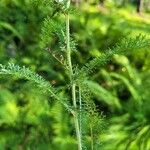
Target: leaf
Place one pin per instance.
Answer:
(131, 88)
(124, 47)
(11, 28)
(23, 72)
(52, 27)
(103, 94)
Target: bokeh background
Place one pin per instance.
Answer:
(29, 120)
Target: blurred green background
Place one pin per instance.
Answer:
(29, 120)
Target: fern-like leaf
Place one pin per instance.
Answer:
(124, 47)
(52, 27)
(23, 72)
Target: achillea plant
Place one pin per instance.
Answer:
(87, 120)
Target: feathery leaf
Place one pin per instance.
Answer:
(124, 47)
(23, 72)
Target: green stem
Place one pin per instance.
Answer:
(91, 130)
(68, 46)
(80, 107)
(76, 120)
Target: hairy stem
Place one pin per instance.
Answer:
(76, 120)
(68, 46)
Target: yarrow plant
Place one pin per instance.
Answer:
(87, 121)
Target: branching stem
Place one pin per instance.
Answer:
(76, 120)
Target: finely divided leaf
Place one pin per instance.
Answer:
(23, 72)
(124, 47)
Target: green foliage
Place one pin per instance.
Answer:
(131, 126)
(24, 72)
(51, 28)
(119, 86)
(125, 46)
(9, 27)
(103, 94)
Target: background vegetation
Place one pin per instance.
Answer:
(30, 120)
